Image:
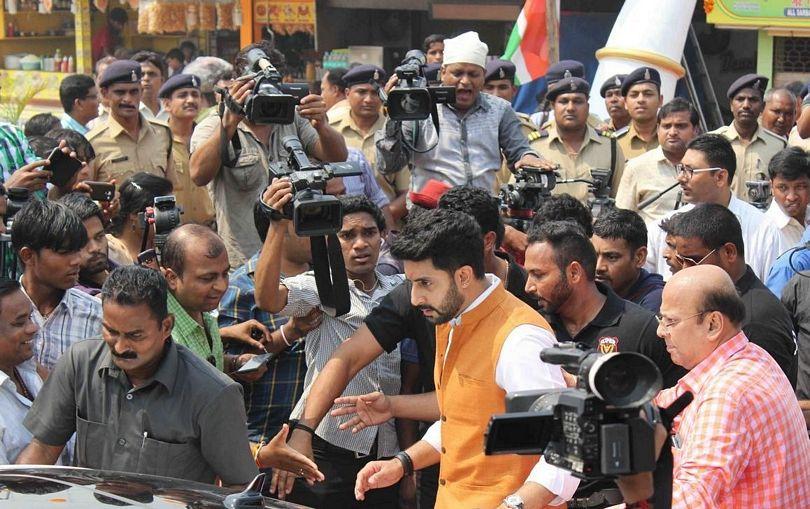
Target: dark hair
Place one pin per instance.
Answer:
(240, 61)
(83, 206)
(361, 203)
(133, 285)
(76, 141)
(136, 193)
(717, 151)
(118, 14)
(153, 58)
(42, 146)
(75, 86)
(478, 203)
(677, 105)
(188, 44)
(45, 224)
(176, 54)
(7, 287)
(622, 224)
(173, 255)
(569, 242)
(713, 224)
(432, 39)
(669, 224)
(448, 238)
(727, 302)
(790, 163)
(335, 77)
(261, 220)
(796, 88)
(40, 124)
(564, 207)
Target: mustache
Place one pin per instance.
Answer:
(428, 308)
(129, 354)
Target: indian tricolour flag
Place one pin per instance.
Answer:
(528, 45)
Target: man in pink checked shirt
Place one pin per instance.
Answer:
(742, 442)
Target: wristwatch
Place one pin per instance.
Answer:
(513, 501)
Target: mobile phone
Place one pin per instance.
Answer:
(148, 259)
(256, 362)
(63, 167)
(101, 191)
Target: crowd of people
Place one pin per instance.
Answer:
(111, 361)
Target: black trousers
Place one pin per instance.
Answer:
(339, 467)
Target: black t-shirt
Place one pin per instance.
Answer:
(621, 326)
(796, 298)
(768, 323)
(516, 281)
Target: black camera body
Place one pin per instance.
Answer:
(271, 101)
(413, 99)
(521, 198)
(164, 215)
(759, 193)
(16, 199)
(313, 212)
(601, 201)
(595, 430)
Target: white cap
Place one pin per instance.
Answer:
(467, 48)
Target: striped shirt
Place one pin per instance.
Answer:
(381, 375)
(77, 317)
(14, 150)
(742, 442)
(269, 400)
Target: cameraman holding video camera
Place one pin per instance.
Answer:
(233, 153)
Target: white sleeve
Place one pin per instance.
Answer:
(4, 460)
(433, 436)
(519, 368)
(764, 249)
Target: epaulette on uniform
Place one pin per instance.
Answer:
(621, 132)
(536, 135)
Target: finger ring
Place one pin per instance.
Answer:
(301, 472)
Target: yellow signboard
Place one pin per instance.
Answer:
(758, 13)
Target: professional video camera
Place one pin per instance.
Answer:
(16, 199)
(600, 188)
(759, 193)
(313, 212)
(413, 99)
(594, 430)
(271, 102)
(520, 199)
(165, 217)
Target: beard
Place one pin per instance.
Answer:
(449, 308)
(559, 294)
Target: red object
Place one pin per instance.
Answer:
(428, 196)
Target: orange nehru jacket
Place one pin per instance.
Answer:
(468, 396)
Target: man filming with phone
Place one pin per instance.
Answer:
(233, 153)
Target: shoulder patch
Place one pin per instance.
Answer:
(621, 132)
(155, 121)
(96, 131)
(536, 135)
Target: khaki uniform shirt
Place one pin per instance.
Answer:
(644, 176)
(752, 159)
(594, 153)
(341, 120)
(187, 421)
(193, 199)
(120, 156)
(794, 140)
(632, 144)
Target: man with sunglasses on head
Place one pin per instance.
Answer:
(705, 175)
(710, 234)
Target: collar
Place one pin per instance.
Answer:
(166, 373)
(345, 120)
(781, 219)
(611, 310)
(633, 133)
(493, 281)
(180, 313)
(115, 129)
(66, 302)
(482, 102)
(658, 154)
(747, 281)
(178, 139)
(590, 135)
(732, 130)
(250, 265)
(737, 206)
(695, 379)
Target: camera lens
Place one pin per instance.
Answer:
(624, 380)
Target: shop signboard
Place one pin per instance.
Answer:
(758, 13)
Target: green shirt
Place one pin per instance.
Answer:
(189, 333)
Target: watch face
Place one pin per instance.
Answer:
(514, 501)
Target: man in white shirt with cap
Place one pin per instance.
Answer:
(472, 132)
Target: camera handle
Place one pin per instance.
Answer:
(330, 274)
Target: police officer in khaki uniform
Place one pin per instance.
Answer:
(572, 143)
(562, 69)
(364, 117)
(127, 142)
(641, 90)
(611, 92)
(180, 99)
(753, 144)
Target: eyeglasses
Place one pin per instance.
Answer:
(687, 261)
(667, 325)
(682, 169)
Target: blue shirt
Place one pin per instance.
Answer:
(270, 400)
(781, 272)
(646, 291)
(69, 122)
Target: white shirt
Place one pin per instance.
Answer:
(161, 115)
(14, 437)
(518, 369)
(790, 230)
(760, 237)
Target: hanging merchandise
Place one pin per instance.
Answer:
(208, 15)
(192, 16)
(145, 12)
(225, 15)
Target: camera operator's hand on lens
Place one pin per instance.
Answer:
(239, 91)
(514, 239)
(376, 475)
(534, 161)
(278, 194)
(368, 410)
(392, 82)
(313, 108)
(287, 464)
(335, 186)
(32, 176)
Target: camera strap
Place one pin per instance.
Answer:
(330, 274)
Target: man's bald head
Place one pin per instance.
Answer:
(181, 239)
(709, 288)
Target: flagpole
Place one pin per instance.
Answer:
(552, 24)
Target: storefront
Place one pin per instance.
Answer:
(783, 34)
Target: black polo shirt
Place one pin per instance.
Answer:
(395, 319)
(623, 327)
(768, 323)
(516, 280)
